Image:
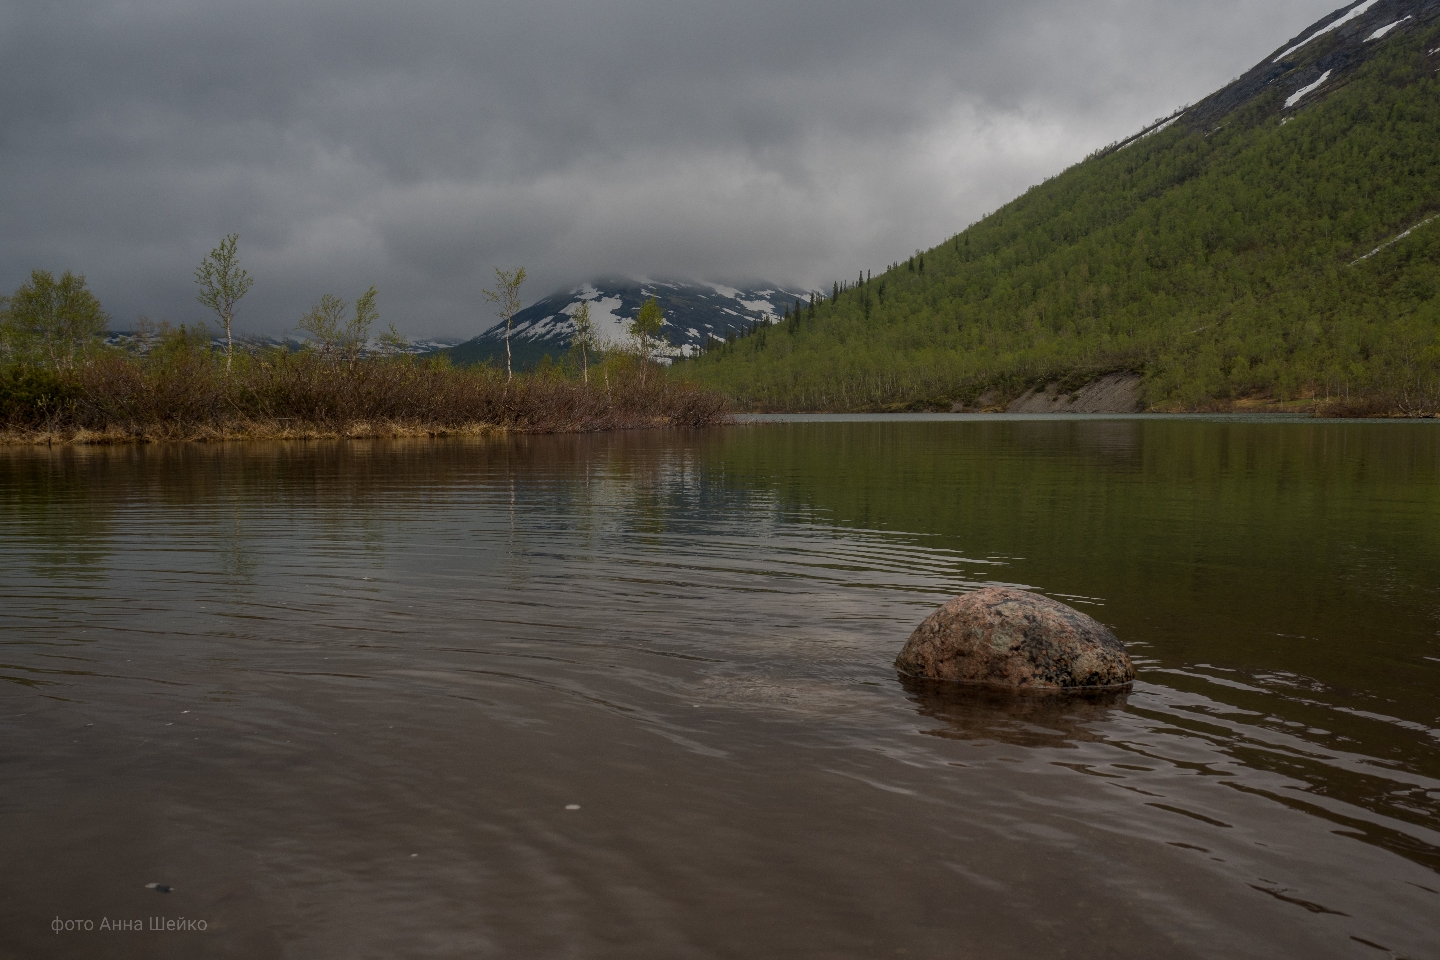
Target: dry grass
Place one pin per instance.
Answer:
(188, 396)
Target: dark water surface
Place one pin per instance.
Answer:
(346, 698)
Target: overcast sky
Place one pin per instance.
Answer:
(416, 145)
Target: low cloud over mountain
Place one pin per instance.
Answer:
(415, 146)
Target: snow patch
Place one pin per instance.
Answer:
(1385, 29)
(610, 329)
(724, 291)
(759, 306)
(1359, 11)
(1148, 133)
(1164, 125)
(540, 328)
(1394, 240)
(1298, 94)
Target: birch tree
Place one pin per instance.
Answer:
(506, 298)
(222, 284)
(645, 332)
(51, 321)
(584, 337)
(330, 331)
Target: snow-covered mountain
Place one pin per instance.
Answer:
(1315, 63)
(126, 339)
(694, 313)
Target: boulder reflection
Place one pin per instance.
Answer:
(1027, 719)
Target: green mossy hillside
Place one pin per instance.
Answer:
(1221, 263)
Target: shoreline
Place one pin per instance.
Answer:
(283, 431)
(974, 416)
(1237, 411)
(1120, 392)
(385, 430)
(115, 399)
(273, 430)
(1309, 409)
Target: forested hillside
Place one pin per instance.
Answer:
(1229, 254)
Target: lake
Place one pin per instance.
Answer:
(630, 695)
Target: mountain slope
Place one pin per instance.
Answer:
(132, 340)
(694, 313)
(1238, 249)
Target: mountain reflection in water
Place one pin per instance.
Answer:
(632, 695)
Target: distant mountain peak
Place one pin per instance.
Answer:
(695, 312)
(1311, 64)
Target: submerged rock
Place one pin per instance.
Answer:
(981, 712)
(1012, 638)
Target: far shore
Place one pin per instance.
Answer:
(263, 430)
(289, 430)
(194, 394)
(1258, 414)
(274, 430)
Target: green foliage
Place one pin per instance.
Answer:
(180, 389)
(392, 343)
(506, 297)
(33, 396)
(49, 321)
(222, 283)
(645, 333)
(583, 343)
(332, 335)
(160, 342)
(1222, 263)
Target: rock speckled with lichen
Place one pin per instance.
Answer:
(1013, 638)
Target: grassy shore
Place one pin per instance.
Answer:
(190, 395)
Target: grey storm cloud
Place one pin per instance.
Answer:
(416, 145)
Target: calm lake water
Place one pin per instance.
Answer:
(631, 695)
